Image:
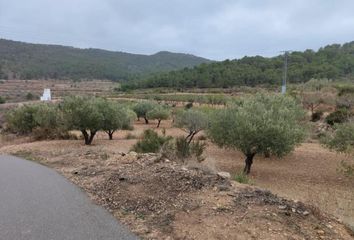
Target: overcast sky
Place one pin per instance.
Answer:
(216, 29)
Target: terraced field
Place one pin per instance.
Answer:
(17, 90)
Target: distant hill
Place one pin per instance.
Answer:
(332, 62)
(37, 61)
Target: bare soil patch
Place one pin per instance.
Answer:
(160, 199)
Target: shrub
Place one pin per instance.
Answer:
(184, 149)
(345, 101)
(151, 142)
(342, 140)
(21, 120)
(43, 120)
(339, 116)
(188, 106)
(241, 177)
(30, 96)
(316, 116)
(197, 149)
(2, 100)
(261, 124)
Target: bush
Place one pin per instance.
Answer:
(339, 116)
(21, 120)
(345, 101)
(182, 148)
(185, 150)
(316, 116)
(342, 141)
(2, 100)
(42, 120)
(151, 142)
(241, 177)
(30, 96)
(188, 106)
(197, 150)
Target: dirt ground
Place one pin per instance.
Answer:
(176, 202)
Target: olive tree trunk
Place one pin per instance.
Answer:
(88, 136)
(248, 162)
(110, 134)
(158, 123)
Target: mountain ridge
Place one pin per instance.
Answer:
(36, 61)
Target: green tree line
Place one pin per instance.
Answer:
(332, 62)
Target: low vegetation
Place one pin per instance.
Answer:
(151, 142)
(2, 100)
(342, 140)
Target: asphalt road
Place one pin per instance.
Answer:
(36, 203)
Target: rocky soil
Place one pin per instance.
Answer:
(161, 199)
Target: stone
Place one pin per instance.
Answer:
(132, 153)
(223, 188)
(225, 175)
(282, 207)
(306, 213)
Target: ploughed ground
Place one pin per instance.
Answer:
(161, 199)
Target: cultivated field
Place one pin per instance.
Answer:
(308, 175)
(161, 199)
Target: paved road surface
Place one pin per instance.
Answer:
(36, 203)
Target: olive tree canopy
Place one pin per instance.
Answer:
(262, 124)
(192, 122)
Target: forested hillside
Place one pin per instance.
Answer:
(37, 61)
(333, 62)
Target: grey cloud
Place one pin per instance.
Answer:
(216, 29)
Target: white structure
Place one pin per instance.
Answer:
(46, 95)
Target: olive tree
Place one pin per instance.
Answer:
(142, 108)
(83, 114)
(342, 141)
(192, 122)
(262, 124)
(312, 100)
(115, 117)
(159, 113)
